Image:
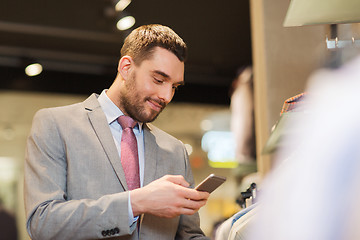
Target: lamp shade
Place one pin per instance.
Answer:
(311, 12)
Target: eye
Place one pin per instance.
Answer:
(158, 80)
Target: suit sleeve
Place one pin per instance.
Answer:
(50, 215)
(189, 225)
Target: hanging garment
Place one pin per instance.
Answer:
(241, 226)
(223, 231)
(315, 193)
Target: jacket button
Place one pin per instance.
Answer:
(112, 232)
(103, 233)
(117, 230)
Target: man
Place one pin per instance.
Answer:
(76, 183)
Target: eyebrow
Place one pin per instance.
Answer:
(161, 73)
(167, 76)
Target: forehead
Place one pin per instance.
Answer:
(165, 61)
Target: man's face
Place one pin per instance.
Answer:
(151, 86)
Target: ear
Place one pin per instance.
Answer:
(124, 66)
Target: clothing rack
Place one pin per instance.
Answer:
(247, 198)
(236, 227)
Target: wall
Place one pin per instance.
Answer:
(283, 59)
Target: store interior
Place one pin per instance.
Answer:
(77, 44)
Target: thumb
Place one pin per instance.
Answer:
(177, 179)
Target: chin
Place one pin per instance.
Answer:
(148, 115)
(151, 118)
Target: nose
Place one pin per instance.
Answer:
(166, 93)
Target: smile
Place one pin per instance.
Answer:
(155, 105)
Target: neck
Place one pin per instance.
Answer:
(113, 93)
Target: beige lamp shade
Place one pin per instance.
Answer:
(311, 12)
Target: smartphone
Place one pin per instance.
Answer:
(210, 183)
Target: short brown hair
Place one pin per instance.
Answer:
(141, 42)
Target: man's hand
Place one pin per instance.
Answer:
(167, 197)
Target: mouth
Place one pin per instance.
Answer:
(155, 105)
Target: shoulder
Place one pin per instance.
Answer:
(55, 114)
(68, 111)
(158, 132)
(161, 136)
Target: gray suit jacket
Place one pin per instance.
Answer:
(75, 186)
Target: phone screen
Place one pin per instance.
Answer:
(210, 183)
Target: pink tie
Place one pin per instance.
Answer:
(129, 152)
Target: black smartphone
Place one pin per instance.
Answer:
(210, 183)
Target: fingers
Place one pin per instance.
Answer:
(192, 204)
(190, 207)
(184, 191)
(167, 197)
(189, 193)
(177, 179)
(198, 195)
(185, 207)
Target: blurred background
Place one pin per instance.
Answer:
(223, 114)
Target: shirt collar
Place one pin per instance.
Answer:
(112, 112)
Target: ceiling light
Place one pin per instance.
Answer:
(33, 69)
(122, 4)
(125, 23)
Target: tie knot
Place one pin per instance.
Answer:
(126, 122)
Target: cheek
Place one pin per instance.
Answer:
(141, 88)
(148, 88)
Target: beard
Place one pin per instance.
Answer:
(134, 104)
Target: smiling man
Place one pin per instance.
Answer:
(143, 90)
(88, 176)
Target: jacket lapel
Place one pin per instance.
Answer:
(151, 155)
(98, 121)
